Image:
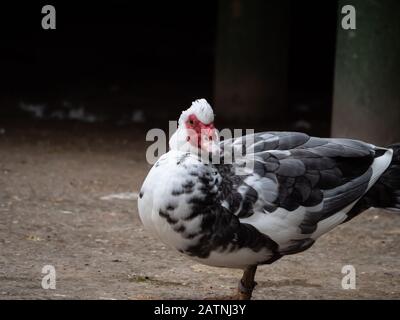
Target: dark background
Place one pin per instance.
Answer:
(76, 104)
(121, 61)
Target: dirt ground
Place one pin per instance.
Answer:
(51, 181)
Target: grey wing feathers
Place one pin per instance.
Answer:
(292, 169)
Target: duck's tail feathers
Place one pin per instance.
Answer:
(385, 193)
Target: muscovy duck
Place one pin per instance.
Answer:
(232, 214)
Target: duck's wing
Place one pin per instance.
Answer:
(294, 187)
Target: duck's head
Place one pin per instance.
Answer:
(196, 132)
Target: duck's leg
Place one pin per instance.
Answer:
(247, 283)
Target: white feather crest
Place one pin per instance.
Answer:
(201, 109)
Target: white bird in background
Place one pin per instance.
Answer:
(239, 216)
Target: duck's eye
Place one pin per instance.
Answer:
(191, 122)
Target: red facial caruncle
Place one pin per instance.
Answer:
(199, 134)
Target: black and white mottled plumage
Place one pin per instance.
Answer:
(286, 190)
